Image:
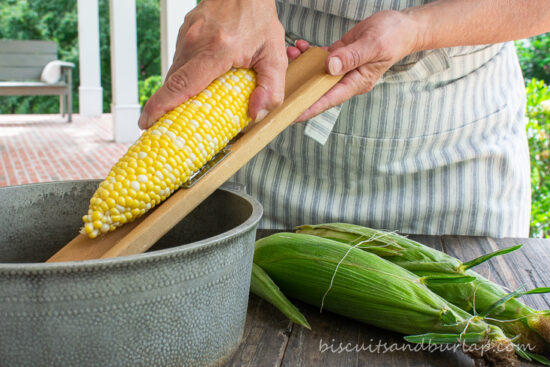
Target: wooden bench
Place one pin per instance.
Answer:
(21, 66)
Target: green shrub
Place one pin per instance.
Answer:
(147, 87)
(58, 21)
(534, 57)
(48, 20)
(538, 132)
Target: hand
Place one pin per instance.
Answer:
(363, 54)
(218, 35)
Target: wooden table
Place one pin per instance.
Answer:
(270, 339)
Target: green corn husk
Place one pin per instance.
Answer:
(262, 286)
(528, 326)
(365, 287)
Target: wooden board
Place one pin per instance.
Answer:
(32, 89)
(24, 60)
(265, 337)
(306, 82)
(28, 47)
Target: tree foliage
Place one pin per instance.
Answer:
(57, 21)
(147, 87)
(538, 132)
(37, 20)
(534, 56)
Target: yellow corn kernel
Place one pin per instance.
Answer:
(169, 152)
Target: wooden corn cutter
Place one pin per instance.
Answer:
(306, 81)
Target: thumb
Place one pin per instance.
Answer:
(349, 57)
(270, 85)
(185, 82)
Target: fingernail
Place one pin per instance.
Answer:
(143, 120)
(335, 65)
(261, 115)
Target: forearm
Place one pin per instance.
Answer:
(448, 23)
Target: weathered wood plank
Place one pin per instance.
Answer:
(389, 349)
(26, 60)
(25, 90)
(531, 266)
(28, 46)
(260, 233)
(314, 347)
(431, 241)
(20, 74)
(265, 336)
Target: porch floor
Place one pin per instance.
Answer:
(40, 148)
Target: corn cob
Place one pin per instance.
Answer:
(365, 287)
(262, 286)
(526, 325)
(170, 152)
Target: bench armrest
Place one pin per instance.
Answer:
(53, 70)
(66, 64)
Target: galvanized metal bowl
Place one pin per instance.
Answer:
(183, 303)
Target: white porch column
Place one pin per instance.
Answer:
(172, 14)
(124, 73)
(90, 93)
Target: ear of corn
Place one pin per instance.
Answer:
(170, 152)
(365, 287)
(262, 286)
(528, 326)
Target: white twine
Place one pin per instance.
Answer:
(376, 236)
(466, 327)
(511, 320)
(474, 300)
(372, 238)
(475, 314)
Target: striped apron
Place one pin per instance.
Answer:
(437, 147)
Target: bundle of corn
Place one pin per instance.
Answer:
(479, 297)
(171, 151)
(365, 287)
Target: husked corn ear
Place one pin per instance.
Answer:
(169, 152)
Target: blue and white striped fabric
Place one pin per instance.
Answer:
(437, 147)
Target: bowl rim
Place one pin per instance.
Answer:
(143, 258)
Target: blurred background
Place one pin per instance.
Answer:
(58, 21)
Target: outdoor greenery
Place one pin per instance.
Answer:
(147, 87)
(538, 132)
(35, 19)
(534, 57)
(57, 20)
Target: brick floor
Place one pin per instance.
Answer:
(39, 148)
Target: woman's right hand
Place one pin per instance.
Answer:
(218, 35)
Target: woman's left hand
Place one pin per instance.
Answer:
(363, 54)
